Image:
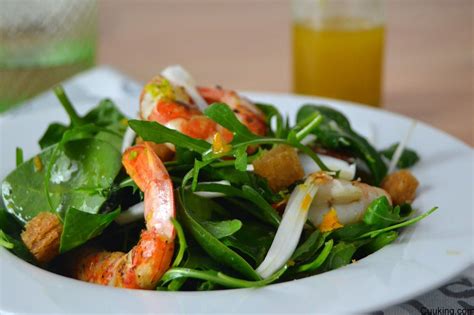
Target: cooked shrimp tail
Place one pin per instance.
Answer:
(143, 266)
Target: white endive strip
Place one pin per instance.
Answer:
(211, 194)
(134, 213)
(289, 231)
(347, 171)
(177, 75)
(128, 139)
(398, 152)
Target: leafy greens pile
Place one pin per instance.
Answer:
(78, 175)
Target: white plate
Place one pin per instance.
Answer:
(424, 256)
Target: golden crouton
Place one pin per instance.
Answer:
(280, 166)
(42, 235)
(401, 186)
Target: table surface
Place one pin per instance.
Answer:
(246, 45)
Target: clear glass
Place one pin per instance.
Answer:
(42, 42)
(338, 48)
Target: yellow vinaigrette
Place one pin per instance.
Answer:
(218, 144)
(330, 221)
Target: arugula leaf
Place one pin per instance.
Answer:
(220, 278)
(190, 207)
(196, 259)
(341, 254)
(238, 178)
(408, 158)
(270, 112)
(335, 133)
(378, 242)
(241, 159)
(153, 131)
(380, 213)
(253, 239)
(182, 242)
(80, 226)
(319, 260)
(309, 247)
(221, 229)
(266, 211)
(351, 231)
(399, 225)
(224, 116)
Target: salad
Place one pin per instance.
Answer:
(205, 190)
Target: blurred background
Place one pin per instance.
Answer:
(247, 45)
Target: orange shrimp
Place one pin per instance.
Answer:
(246, 111)
(170, 106)
(143, 266)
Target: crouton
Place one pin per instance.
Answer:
(401, 186)
(42, 235)
(280, 166)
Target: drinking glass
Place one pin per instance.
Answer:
(338, 48)
(42, 42)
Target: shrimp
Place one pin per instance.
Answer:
(349, 199)
(143, 266)
(172, 107)
(246, 111)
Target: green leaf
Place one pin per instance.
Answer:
(271, 112)
(408, 158)
(224, 116)
(253, 239)
(309, 247)
(190, 207)
(10, 231)
(220, 278)
(67, 105)
(239, 178)
(351, 231)
(265, 211)
(221, 229)
(153, 131)
(5, 241)
(105, 115)
(182, 242)
(53, 135)
(81, 177)
(319, 260)
(378, 242)
(241, 159)
(306, 125)
(196, 259)
(80, 226)
(335, 133)
(19, 156)
(399, 225)
(380, 213)
(341, 254)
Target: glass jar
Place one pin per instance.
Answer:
(42, 42)
(338, 48)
